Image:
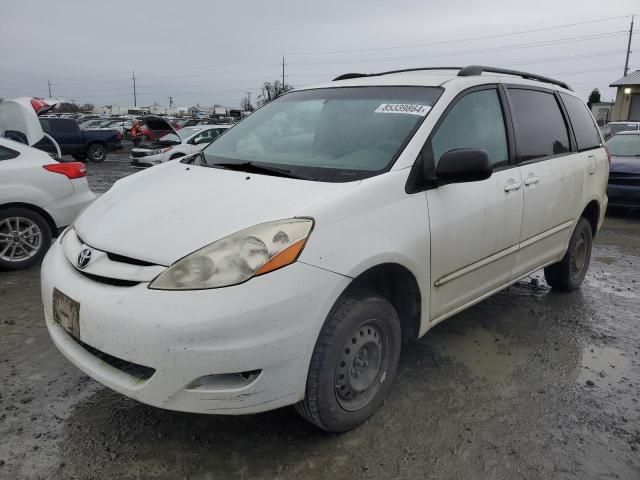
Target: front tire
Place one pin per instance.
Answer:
(567, 275)
(96, 153)
(25, 237)
(353, 364)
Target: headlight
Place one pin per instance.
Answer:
(238, 257)
(158, 151)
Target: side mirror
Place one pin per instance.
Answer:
(463, 165)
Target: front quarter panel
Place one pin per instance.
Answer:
(372, 224)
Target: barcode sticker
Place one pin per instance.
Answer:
(408, 108)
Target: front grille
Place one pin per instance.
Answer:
(114, 257)
(618, 179)
(116, 282)
(139, 154)
(140, 372)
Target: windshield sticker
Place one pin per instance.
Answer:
(409, 108)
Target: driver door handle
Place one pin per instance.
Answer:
(532, 180)
(512, 186)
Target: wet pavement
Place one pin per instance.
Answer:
(527, 384)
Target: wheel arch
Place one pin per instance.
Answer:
(592, 213)
(34, 208)
(398, 285)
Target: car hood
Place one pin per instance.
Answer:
(21, 115)
(158, 124)
(629, 165)
(161, 214)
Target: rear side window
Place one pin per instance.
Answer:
(476, 121)
(66, 126)
(45, 124)
(7, 153)
(540, 127)
(584, 129)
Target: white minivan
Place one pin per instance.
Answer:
(287, 262)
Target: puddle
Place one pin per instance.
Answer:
(486, 354)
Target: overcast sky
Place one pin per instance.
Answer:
(214, 52)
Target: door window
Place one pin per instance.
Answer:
(476, 121)
(584, 129)
(540, 127)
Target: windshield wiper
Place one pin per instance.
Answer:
(251, 167)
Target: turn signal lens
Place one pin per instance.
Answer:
(284, 258)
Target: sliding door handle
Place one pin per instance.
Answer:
(531, 180)
(512, 186)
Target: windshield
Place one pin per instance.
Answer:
(332, 134)
(624, 145)
(620, 127)
(186, 132)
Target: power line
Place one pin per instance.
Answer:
(468, 39)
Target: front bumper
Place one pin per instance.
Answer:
(147, 160)
(624, 195)
(66, 209)
(197, 340)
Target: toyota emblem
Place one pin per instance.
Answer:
(84, 258)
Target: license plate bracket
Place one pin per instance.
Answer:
(66, 313)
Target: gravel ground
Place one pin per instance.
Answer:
(527, 384)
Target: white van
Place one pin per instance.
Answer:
(287, 262)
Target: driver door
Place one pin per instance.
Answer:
(475, 226)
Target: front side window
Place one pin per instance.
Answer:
(476, 121)
(540, 127)
(584, 128)
(331, 134)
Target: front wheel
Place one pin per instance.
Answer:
(96, 153)
(567, 275)
(25, 237)
(353, 363)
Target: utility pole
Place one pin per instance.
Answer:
(626, 62)
(283, 64)
(170, 102)
(135, 98)
(49, 83)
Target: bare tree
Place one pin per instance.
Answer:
(245, 103)
(87, 107)
(271, 91)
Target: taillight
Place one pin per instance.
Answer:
(70, 170)
(606, 149)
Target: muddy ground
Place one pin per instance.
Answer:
(527, 384)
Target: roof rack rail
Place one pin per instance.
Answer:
(473, 70)
(469, 71)
(347, 76)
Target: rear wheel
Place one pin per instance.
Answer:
(567, 275)
(96, 153)
(25, 237)
(353, 363)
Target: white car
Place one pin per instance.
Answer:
(287, 262)
(175, 144)
(38, 195)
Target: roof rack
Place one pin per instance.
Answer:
(473, 70)
(347, 76)
(469, 71)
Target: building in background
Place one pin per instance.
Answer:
(627, 105)
(602, 112)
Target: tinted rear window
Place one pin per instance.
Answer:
(584, 128)
(540, 127)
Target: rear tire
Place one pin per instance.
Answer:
(96, 153)
(567, 275)
(25, 237)
(176, 155)
(354, 363)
